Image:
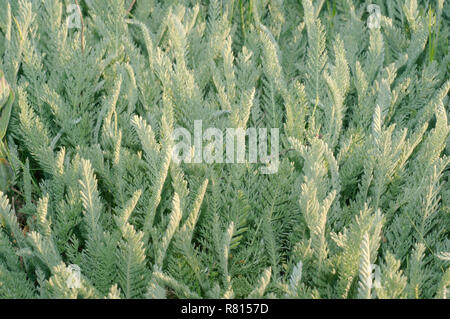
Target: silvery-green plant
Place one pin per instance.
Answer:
(359, 206)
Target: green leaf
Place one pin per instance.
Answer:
(6, 102)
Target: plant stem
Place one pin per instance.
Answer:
(131, 7)
(82, 26)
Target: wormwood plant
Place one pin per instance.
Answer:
(359, 207)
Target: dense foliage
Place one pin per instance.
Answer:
(359, 207)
